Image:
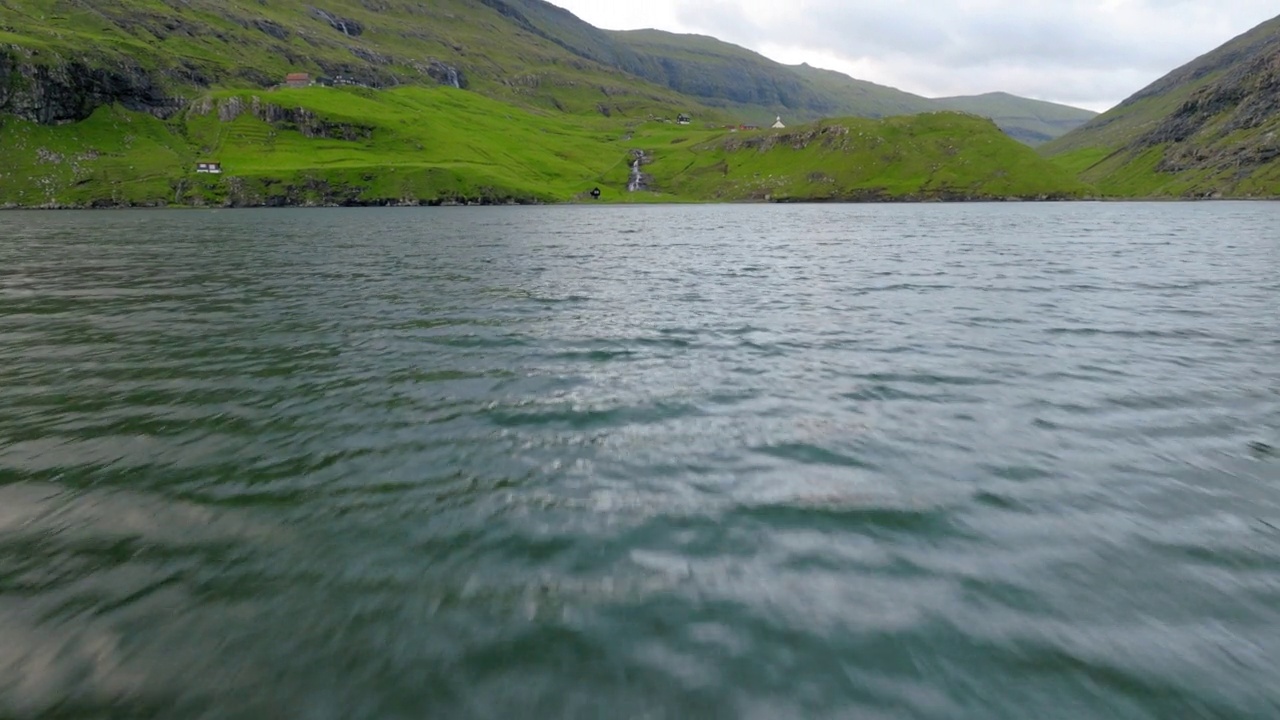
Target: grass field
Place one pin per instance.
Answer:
(418, 144)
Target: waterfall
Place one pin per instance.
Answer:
(636, 183)
(453, 77)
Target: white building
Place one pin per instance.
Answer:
(778, 125)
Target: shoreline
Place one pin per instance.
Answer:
(13, 207)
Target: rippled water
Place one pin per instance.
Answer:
(954, 461)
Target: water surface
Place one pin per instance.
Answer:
(932, 461)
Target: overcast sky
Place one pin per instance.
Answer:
(1088, 53)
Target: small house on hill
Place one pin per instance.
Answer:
(209, 168)
(297, 80)
(778, 124)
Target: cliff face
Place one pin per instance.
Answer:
(1248, 99)
(1242, 101)
(302, 120)
(58, 92)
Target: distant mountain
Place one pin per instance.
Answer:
(717, 72)
(1208, 128)
(1031, 121)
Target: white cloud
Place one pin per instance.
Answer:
(1091, 53)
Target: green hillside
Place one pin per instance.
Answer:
(413, 145)
(155, 55)
(71, 55)
(318, 146)
(1208, 128)
(1032, 121)
(114, 102)
(931, 156)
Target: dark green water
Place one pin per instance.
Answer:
(978, 461)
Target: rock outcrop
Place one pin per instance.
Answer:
(53, 92)
(299, 119)
(346, 26)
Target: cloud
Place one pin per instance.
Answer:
(1092, 53)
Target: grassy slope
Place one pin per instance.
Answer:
(426, 143)
(1116, 151)
(527, 51)
(196, 42)
(116, 157)
(1031, 121)
(929, 156)
(543, 123)
(432, 144)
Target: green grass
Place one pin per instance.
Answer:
(549, 114)
(416, 144)
(935, 155)
(427, 144)
(114, 157)
(536, 55)
(220, 40)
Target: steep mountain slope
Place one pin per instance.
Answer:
(59, 59)
(1031, 121)
(716, 71)
(1208, 128)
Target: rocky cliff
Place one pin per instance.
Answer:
(54, 90)
(1228, 123)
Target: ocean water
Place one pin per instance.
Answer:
(866, 461)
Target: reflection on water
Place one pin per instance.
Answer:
(974, 461)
